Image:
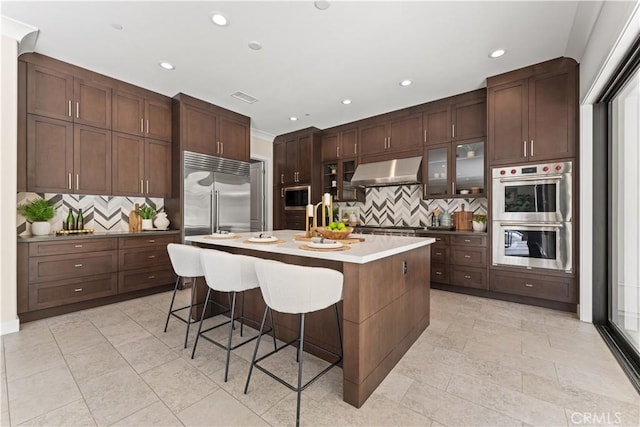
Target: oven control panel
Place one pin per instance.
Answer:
(541, 170)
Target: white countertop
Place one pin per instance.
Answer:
(373, 248)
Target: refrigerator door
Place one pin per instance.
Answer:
(198, 201)
(232, 194)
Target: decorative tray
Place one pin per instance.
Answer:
(66, 232)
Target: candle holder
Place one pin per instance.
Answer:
(310, 221)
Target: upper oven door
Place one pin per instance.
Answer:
(532, 198)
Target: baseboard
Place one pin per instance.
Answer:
(10, 326)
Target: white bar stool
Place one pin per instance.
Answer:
(185, 260)
(295, 289)
(225, 272)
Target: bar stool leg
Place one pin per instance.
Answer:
(255, 350)
(300, 352)
(173, 298)
(204, 309)
(273, 331)
(193, 293)
(233, 311)
(242, 315)
(339, 330)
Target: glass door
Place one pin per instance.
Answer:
(330, 179)
(437, 172)
(348, 192)
(469, 177)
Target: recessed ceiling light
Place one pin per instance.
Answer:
(219, 19)
(254, 45)
(293, 118)
(497, 53)
(166, 65)
(405, 82)
(321, 4)
(117, 26)
(346, 101)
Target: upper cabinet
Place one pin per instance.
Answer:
(340, 145)
(208, 129)
(532, 113)
(58, 95)
(455, 119)
(391, 136)
(296, 157)
(145, 116)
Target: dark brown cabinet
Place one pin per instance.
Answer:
(67, 158)
(547, 287)
(457, 118)
(143, 262)
(296, 157)
(208, 129)
(532, 113)
(393, 136)
(340, 145)
(62, 96)
(136, 115)
(436, 123)
(141, 166)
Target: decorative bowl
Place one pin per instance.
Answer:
(334, 234)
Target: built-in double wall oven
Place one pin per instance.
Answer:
(532, 216)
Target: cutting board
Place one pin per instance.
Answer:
(463, 220)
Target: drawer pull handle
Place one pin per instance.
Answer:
(438, 239)
(467, 277)
(152, 256)
(467, 241)
(528, 285)
(467, 256)
(78, 265)
(152, 241)
(438, 253)
(77, 290)
(438, 273)
(152, 277)
(77, 246)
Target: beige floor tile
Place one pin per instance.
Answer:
(146, 353)
(116, 395)
(511, 343)
(75, 317)
(451, 410)
(28, 336)
(124, 332)
(328, 412)
(91, 362)
(219, 409)
(40, 393)
(506, 401)
(604, 383)
(154, 415)
(394, 386)
(150, 318)
(33, 359)
(74, 336)
(74, 414)
(5, 420)
(413, 366)
(106, 315)
(4, 398)
(179, 384)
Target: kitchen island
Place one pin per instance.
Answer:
(385, 303)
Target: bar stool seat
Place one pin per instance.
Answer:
(295, 289)
(225, 272)
(185, 260)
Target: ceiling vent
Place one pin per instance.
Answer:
(244, 97)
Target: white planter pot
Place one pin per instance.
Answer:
(40, 228)
(161, 222)
(479, 226)
(147, 224)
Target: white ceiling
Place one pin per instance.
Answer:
(311, 59)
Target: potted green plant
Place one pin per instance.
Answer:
(147, 213)
(38, 212)
(479, 222)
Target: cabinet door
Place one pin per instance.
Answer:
(157, 168)
(49, 93)
(330, 177)
(291, 161)
(92, 104)
(199, 130)
(469, 120)
(508, 122)
(49, 155)
(158, 119)
(305, 158)
(436, 171)
(436, 123)
(373, 139)
(128, 164)
(552, 114)
(91, 160)
(234, 139)
(278, 207)
(128, 113)
(279, 161)
(329, 147)
(349, 143)
(404, 134)
(469, 167)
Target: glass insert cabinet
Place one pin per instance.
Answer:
(454, 170)
(336, 180)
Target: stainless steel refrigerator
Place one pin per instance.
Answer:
(217, 195)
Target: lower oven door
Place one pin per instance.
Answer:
(532, 245)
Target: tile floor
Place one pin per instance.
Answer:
(480, 363)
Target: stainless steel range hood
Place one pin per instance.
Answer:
(389, 172)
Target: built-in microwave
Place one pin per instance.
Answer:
(296, 198)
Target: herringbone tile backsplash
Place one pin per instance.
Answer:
(101, 213)
(403, 205)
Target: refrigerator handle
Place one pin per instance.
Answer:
(217, 210)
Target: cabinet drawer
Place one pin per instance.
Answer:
(146, 278)
(469, 277)
(71, 247)
(439, 273)
(545, 287)
(130, 259)
(146, 241)
(440, 254)
(469, 240)
(468, 256)
(441, 240)
(70, 266)
(52, 294)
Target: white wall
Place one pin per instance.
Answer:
(262, 149)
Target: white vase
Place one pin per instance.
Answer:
(147, 224)
(161, 222)
(479, 226)
(40, 228)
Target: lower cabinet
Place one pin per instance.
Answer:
(144, 262)
(534, 285)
